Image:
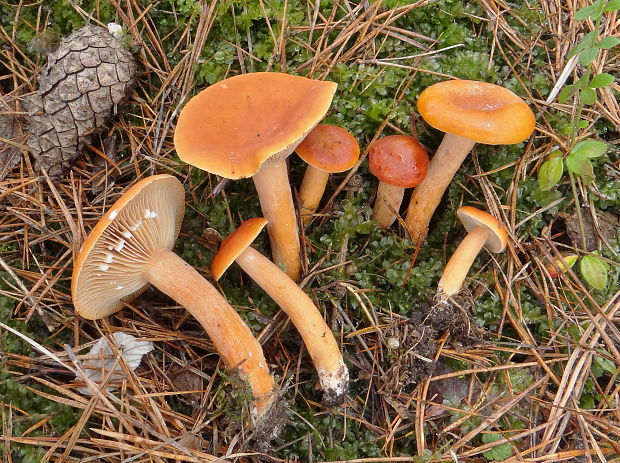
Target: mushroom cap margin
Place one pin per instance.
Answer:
(472, 218)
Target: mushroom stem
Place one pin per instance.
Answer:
(387, 204)
(276, 202)
(317, 336)
(231, 337)
(427, 195)
(311, 192)
(461, 261)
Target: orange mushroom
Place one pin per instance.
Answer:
(484, 230)
(131, 247)
(328, 149)
(469, 112)
(399, 162)
(246, 126)
(317, 336)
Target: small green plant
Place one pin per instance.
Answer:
(577, 159)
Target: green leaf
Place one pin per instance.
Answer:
(608, 42)
(594, 271)
(585, 12)
(499, 452)
(612, 5)
(588, 55)
(587, 96)
(586, 40)
(582, 124)
(566, 93)
(579, 165)
(589, 148)
(601, 80)
(606, 364)
(550, 173)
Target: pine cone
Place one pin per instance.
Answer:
(9, 130)
(85, 78)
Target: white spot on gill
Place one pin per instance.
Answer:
(119, 245)
(126, 234)
(136, 226)
(113, 214)
(110, 247)
(149, 214)
(109, 257)
(119, 287)
(104, 267)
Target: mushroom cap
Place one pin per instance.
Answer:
(472, 218)
(398, 160)
(110, 266)
(329, 148)
(232, 127)
(235, 243)
(482, 112)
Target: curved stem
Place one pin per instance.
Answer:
(317, 336)
(311, 192)
(387, 204)
(276, 202)
(231, 337)
(461, 261)
(427, 195)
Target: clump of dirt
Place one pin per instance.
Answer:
(411, 348)
(412, 344)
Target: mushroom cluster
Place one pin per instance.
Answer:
(247, 126)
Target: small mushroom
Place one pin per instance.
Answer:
(399, 162)
(246, 126)
(317, 336)
(131, 247)
(484, 230)
(469, 112)
(328, 149)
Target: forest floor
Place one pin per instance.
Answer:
(524, 369)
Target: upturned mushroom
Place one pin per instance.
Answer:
(484, 230)
(246, 126)
(469, 112)
(131, 247)
(328, 149)
(399, 162)
(318, 338)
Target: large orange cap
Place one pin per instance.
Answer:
(398, 160)
(472, 218)
(110, 266)
(234, 126)
(482, 112)
(235, 243)
(329, 148)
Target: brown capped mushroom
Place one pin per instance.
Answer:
(328, 149)
(484, 230)
(399, 162)
(469, 112)
(131, 247)
(246, 126)
(317, 336)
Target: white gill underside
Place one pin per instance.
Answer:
(115, 268)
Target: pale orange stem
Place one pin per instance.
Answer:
(387, 204)
(276, 202)
(461, 261)
(311, 192)
(427, 195)
(231, 337)
(317, 336)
